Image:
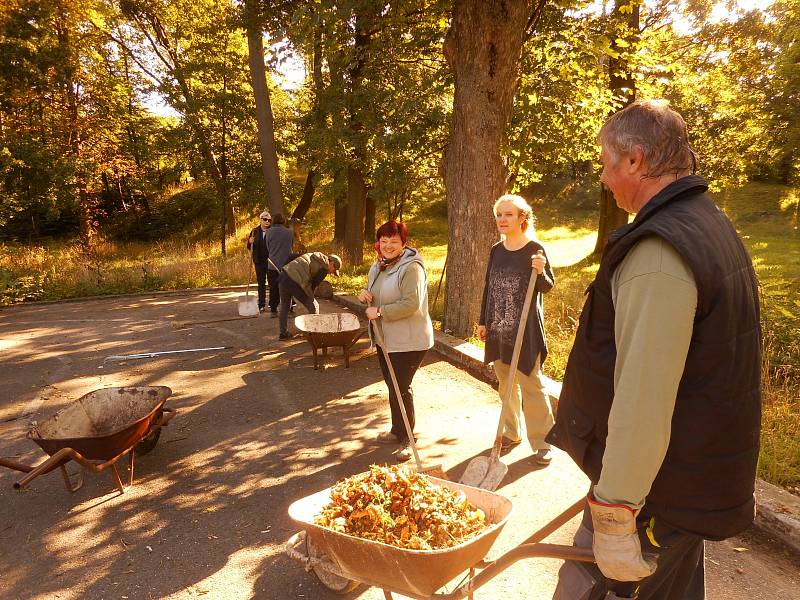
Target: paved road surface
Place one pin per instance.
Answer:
(257, 428)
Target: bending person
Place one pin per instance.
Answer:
(397, 288)
(507, 277)
(298, 279)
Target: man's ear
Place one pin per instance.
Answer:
(635, 160)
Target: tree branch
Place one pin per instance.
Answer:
(128, 51)
(533, 21)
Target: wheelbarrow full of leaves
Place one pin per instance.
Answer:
(97, 430)
(343, 562)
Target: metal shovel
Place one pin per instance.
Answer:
(248, 305)
(486, 472)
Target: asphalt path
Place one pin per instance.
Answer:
(257, 428)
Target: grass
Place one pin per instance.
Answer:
(766, 216)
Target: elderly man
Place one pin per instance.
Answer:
(257, 244)
(661, 401)
(299, 279)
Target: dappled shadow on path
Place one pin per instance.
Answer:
(208, 507)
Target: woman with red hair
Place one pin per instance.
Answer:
(397, 292)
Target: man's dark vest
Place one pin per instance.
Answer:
(259, 248)
(706, 482)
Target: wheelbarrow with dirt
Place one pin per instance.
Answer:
(343, 562)
(330, 330)
(96, 431)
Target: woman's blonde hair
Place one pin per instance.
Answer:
(523, 208)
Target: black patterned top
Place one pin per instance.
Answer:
(507, 277)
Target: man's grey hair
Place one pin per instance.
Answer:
(657, 130)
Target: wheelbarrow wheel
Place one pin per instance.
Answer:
(148, 443)
(339, 585)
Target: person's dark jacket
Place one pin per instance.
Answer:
(258, 249)
(705, 485)
(308, 271)
(279, 245)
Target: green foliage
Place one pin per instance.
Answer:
(383, 105)
(563, 97)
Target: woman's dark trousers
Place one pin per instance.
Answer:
(405, 365)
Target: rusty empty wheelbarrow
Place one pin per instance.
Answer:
(330, 330)
(97, 430)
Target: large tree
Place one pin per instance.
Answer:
(622, 83)
(264, 118)
(482, 48)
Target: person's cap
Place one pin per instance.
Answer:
(266, 216)
(336, 262)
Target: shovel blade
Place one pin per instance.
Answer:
(485, 473)
(248, 306)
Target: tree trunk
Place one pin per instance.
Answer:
(356, 178)
(623, 87)
(340, 206)
(264, 119)
(67, 76)
(369, 218)
(307, 198)
(356, 200)
(482, 48)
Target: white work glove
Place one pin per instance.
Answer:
(616, 546)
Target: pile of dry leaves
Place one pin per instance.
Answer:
(402, 508)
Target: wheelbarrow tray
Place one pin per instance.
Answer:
(104, 423)
(328, 330)
(416, 573)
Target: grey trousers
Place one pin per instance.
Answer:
(529, 396)
(680, 574)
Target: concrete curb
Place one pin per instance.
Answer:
(778, 514)
(777, 511)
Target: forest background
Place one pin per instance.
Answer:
(139, 140)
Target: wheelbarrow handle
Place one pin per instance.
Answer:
(17, 466)
(56, 460)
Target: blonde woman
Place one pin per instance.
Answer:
(507, 277)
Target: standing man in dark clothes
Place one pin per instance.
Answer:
(279, 247)
(257, 244)
(661, 402)
(299, 278)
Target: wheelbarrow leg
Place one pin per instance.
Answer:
(68, 481)
(346, 352)
(388, 595)
(315, 357)
(131, 479)
(471, 575)
(120, 487)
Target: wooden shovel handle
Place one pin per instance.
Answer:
(379, 341)
(249, 278)
(523, 320)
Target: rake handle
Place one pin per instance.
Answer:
(523, 320)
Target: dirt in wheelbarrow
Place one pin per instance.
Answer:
(257, 428)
